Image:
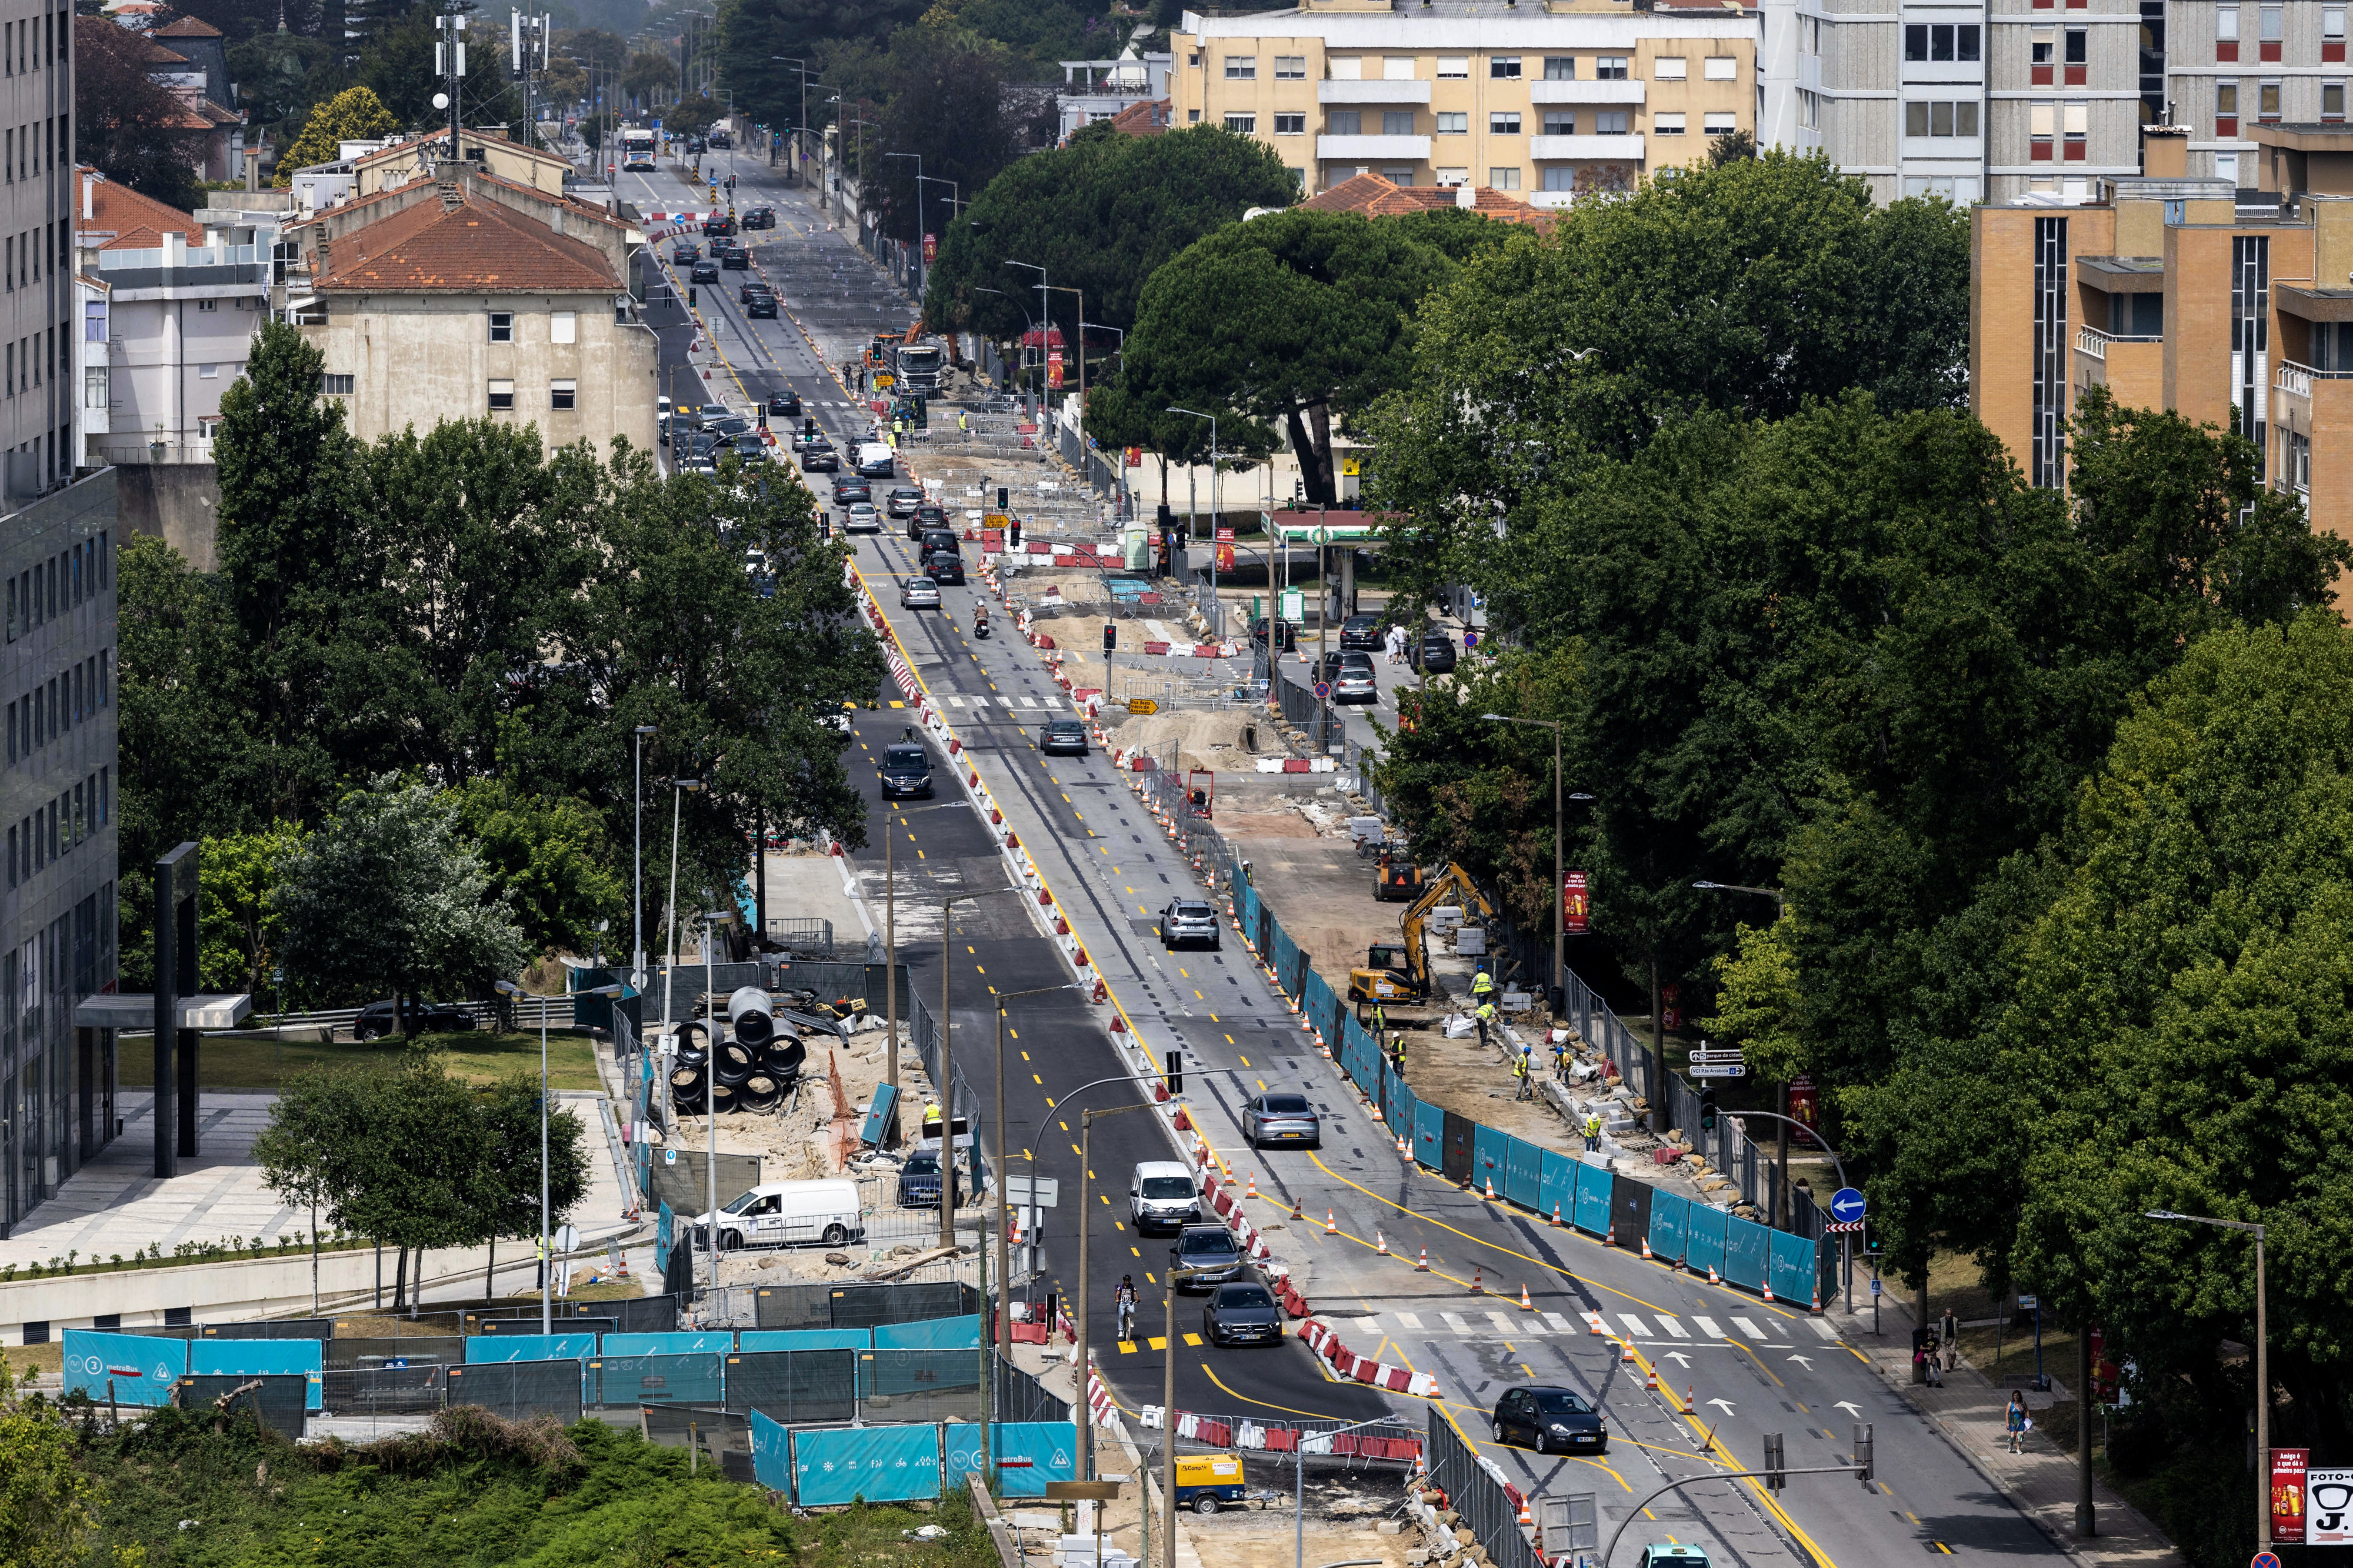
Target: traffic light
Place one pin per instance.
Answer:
(1707, 1111)
(1111, 637)
(1175, 1070)
(1774, 1479)
(1000, 497)
(1872, 1246)
(1862, 1454)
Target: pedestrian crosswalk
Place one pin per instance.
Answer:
(999, 706)
(1767, 1328)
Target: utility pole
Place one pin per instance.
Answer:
(449, 65)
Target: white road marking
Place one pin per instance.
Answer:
(1559, 1324)
(1457, 1324)
(1708, 1326)
(1823, 1330)
(1751, 1329)
(1504, 1325)
(1634, 1325)
(1672, 1327)
(1409, 1320)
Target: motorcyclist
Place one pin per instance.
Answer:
(980, 620)
(1124, 1300)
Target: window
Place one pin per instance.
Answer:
(502, 326)
(1192, 117)
(96, 393)
(563, 327)
(1937, 119)
(93, 320)
(2332, 100)
(1193, 59)
(1559, 122)
(562, 393)
(1965, 42)
(1242, 125)
(501, 396)
(1503, 68)
(1290, 68)
(208, 304)
(1613, 121)
(1503, 179)
(1345, 122)
(1348, 68)
(1609, 68)
(1503, 124)
(1723, 124)
(1397, 122)
(2077, 125)
(2078, 46)
(1721, 67)
(1397, 68)
(1666, 124)
(207, 372)
(2226, 32)
(1453, 68)
(2267, 41)
(2332, 33)
(1560, 67)
(1291, 125)
(1399, 175)
(1450, 179)
(2042, 55)
(1453, 123)
(2267, 102)
(1242, 68)
(1558, 179)
(1670, 68)
(2042, 126)
(2226, 110)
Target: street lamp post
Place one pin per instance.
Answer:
(1045, 319)
(1214, 513)
(922, 273)
(945, 1082)
(638, 866)
(1779, 900)
(2263, 1389)
(1004, 1244)
(1559, 908)
(679, 789)
(546, 1254)
(1169, 1419)
(1781, 1148)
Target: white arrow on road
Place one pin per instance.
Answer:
(1724, 1404)
(1804, 1362)
(1680, 1359)
(1849, 1409)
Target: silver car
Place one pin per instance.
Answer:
(1355, 685)
(859, 517)
(1282, 1119)
(1188, 920)
(919, 594)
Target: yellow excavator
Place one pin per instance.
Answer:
(1398, 972)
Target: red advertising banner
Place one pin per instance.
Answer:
(1136, 456)
(1054, 369)
(931, 249)
(1670, 1010)
(1805, 1100)
(1575, 904)
(2288, 1466)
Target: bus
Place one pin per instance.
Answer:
(638, 145)
(919, 367)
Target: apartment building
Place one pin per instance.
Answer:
(1986, 101)
(2232, 68)
(2229, 307)
(1544, 101)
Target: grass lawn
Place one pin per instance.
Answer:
(248, 1061)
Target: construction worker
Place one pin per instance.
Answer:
(1592, 1130)
(930, 1119)
(1481, 987)
(1485, 1014)
(1526, 1088)
(963, 424)
(1396, 1052)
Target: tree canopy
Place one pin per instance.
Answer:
(352, 115)
(128, 126)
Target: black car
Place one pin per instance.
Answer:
(786, 404)
(694, 145)
(1433, 653)
(1551, 1420)
(820, 460)
(930, 515)
(1361, 632)
(1286, 633)
(1207, 1247)
(703, 272)
(1243, 1313)
(1329, 666)
(751, 285)
(1069, 735)
(718, 225)
(942, 539)
(760, 306)
(848, 488)
(919, 1178)
(722, 141)
(906, 770)
(944, 567)
(728, 425)
(738, 261)
(376, 1020)
(760, 217)
(685, 254)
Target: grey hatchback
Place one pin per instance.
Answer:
(1210, 1247)
(1066, 735)
(1188, 920)
(1282, 1119)
(1241, 1313)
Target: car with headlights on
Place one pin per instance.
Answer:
(1279, 1118)
(1241, 1313)
(1188, 920)
(1551, 1420)
(1208, 1247)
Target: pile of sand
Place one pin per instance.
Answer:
(1218, 738)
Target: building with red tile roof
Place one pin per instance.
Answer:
(1377, 197)
(1149, 118)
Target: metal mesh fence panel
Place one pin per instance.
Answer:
(896, 1386)
(279, 1329)
(528, 1323)
(1489, 1512)
(644, 1315)
(795, 1387)
(630, 1380)
(721, 1439)
(422, 1350)
(793, 1307)
(1021, 1397)
(414, 1390)
(686, 1186)
(520, 1390)
(280, 1400)
(872, 1306)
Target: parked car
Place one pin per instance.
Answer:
(787, 1213)
(784, 404)
(1243, 1313)
(905, 501)
(906, 770)
(944, 567)
(1162, 1192)
(1362, 631)
(1551, 1420)
(1277, 1118)
(1286, 633)
(919, 1178)
(705, 270)
(1433, 653)
(1188, 920)
(919, 594)
(1211, 1247)
(375, 1019)
(1068, 736)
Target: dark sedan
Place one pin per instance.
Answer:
(703, 272)
(944, 567)
(760, 217)
(906, 770)
(760, 307)
(1434, 652)
(1551, 1420)
(1361, 632)
(750, 287)
(786, 404)
(738, 259)
(719, 227)
(375, 1019)
(1065, 735)
(686, 254)
(849, 487)
(919, 1178)
(820, 460)
(1241, 1314)
(930, 515)
(1209, 1247)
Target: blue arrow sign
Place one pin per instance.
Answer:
(1846, 1203)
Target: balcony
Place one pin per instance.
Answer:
(2296, 379)
(1556, 149)
(2095, 342)
(1544, 93)
(1372, 148)
(1372, 92)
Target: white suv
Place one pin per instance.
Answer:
(1161, 1196)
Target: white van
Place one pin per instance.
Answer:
(1160, 1193)
(790, 1213)
(876, 460)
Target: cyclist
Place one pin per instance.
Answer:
(1125, 1298)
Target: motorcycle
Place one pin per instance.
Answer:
(980, 624)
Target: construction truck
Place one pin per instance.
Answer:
(1398, 972)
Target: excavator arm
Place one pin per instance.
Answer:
(1400, 972)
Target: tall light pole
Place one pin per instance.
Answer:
(1168, 1422)
(638, 869)
(679, 790)
(922, 273)
(547, 1252)
(1272, 638)
(1045, 324)
(1559, 908)
(945, 1083)
(1004, 1245)
(802, 129)
(2263, 1389)
(1066, 289)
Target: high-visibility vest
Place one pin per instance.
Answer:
(1519, 1066)
(1480, 984)
(1486, 1011)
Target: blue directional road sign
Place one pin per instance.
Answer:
(1846, 1203)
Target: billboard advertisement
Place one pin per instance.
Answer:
(1576, 903)
(2328, 1508)
(2288, 1466)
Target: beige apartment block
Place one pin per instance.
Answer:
(413, 157)
(1544, 101)
(463, 307)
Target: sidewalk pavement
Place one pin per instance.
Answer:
(2042, 1480)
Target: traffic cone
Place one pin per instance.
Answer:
(1478, 1286)
(1331, 1227)
(1294, 1207)
(1650, 1380)
(1491, 1189)
(1817, 1297)
(1610, 1239)
(1424, 1266)
(1526, 1304)
(1713, 1276)
(1768, 1288)
(1380, 1242)
(1593, 1322)
(1253, 1186)
(1527, 1521)
(1556, 1214)
(1690, 1400)
(1403, 1152)
(1646, 1249)
(1626, 1349)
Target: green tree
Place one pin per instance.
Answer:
(237, 925)
(1100, 214)
(510, 1116)
(1296, 318)
(1757, 1006)
(387, 897)
(947, 105)
(548, 860)
(277, 77)
(49, 1506)
(130, 127)
(427, 1175)
(318, 1145)
(754, 31)
(354, 114)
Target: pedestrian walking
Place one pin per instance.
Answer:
(1950, 1332)
(2016, 1419)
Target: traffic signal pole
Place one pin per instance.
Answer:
(1846, 1251)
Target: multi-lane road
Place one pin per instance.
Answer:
(1731, 1368)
